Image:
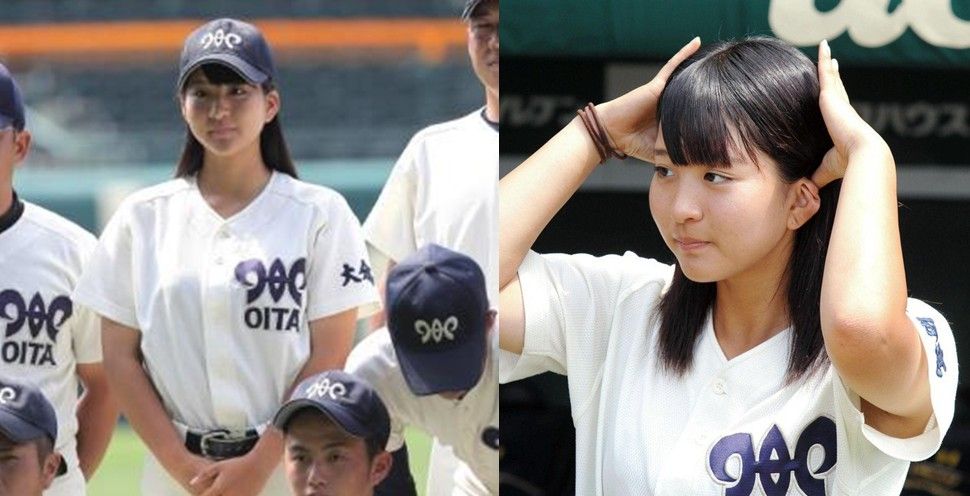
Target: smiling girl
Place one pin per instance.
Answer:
(780, 355)
(221, 289)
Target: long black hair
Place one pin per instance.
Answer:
(272, 145)
(753, 94)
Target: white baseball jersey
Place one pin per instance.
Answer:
(45, 334)
(443, 190)
(470, 426)
(729, 427)
(223, 305)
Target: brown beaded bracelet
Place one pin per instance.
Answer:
(601, 139)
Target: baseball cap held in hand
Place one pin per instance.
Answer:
(436, 313)
(347, 400)
(26, 415)
(235, 44)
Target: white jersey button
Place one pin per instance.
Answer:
(219, 260)
(719, 387)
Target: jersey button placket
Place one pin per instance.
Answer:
(220, 360)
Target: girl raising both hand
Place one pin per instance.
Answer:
(781, 351)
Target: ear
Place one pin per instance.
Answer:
(21, 145)
(380, 467)
(490, 317)
(49, 470)
(272, 105)
(803, 202)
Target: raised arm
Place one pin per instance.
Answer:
(869, 338)
(530, 195)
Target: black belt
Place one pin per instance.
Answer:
(221, 444)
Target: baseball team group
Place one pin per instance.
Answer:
(782, 354)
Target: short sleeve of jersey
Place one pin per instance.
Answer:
(339, 275)
(941, 358)
(106, 281)
(389, 227)
(570, 304)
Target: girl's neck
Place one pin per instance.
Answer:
(229, 183)
(752, 307)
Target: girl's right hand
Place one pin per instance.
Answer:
(631, 119)
(189, 469)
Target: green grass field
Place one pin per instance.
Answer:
(120, 472)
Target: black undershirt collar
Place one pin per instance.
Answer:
(12, 215)
(494, 125)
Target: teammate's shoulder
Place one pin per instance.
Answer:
(373, 355)
(447, 128)
(58, 226)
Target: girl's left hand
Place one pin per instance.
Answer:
(850, 133)
(243, 476)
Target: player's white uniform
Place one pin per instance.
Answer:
(469, 426)
(729, 426)
(443, 190)
(45, 334)
(223, 305)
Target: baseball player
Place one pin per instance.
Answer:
(29, 462)
(335, 429)
(221, 289)
(443, 190)
(433, 364)
(741, 370)
(49, 339)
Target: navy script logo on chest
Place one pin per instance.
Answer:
(774, 464)
(278, 281)
(35, 316)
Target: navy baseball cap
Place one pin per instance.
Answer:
(11, 102)
(235, 44)
(436, 308)
(470, 6)
(26, 415)
(347, 400)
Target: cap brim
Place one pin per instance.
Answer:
(469, 9)
(439, 371)
(346, 422)
(17, 429)
(238, 65)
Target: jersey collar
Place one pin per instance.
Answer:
(13, 214)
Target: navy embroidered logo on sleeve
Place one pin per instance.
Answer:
(360, 274)
(774, 464)
(277, 281)
(930, 327)
(37, 316)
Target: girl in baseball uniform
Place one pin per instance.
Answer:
(221, 289)
(780, 355)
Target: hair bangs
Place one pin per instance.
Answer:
(703, 123)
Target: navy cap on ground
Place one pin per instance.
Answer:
(436, 310)
(235, 44)
(347, 400)
(26, 414)
(11, 102)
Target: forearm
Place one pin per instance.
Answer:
(144, 410)
(530, 195)
(97, 415)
